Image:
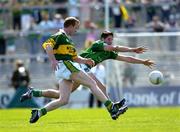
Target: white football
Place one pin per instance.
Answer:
(156, 77)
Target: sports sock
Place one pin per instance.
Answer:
(42, 112)
(37, 93)
(108, 105)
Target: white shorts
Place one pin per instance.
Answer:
(66, 68)
(85, 68)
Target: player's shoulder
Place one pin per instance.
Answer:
(98, 42)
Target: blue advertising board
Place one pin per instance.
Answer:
(152, 96)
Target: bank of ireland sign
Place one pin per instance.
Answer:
(152, 96)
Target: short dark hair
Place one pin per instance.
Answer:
(105, 34)
(70, 21)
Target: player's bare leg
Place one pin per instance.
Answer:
(84, 79)
(100, 85)
(48, 93)
(118, 104)
(52, 93)
(65, 88)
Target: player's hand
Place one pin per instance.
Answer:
(140, 50)
(90, 62)
(149, 63)
(54, 65)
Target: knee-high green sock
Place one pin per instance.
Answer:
(108, 105)
(37, 93)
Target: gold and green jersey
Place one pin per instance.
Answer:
(63, 46)
(97, 53)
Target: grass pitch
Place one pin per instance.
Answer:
(93, 120)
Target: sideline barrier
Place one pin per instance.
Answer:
(136, 97)
(12, 100)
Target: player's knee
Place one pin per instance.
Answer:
(63, 101)
(92, 83)
(56, 95)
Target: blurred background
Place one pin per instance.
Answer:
(155, 24)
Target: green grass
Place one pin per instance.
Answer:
(93, 120)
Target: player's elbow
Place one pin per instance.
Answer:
(115, 48)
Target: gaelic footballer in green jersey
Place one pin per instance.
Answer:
(97, 53)
(103, 49)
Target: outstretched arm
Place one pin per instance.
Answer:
(88, 61)
(134, 60)
(117, 48)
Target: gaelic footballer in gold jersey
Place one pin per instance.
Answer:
(63, 47)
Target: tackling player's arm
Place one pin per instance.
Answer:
(117, 48)
(87, 61)
(134, 60)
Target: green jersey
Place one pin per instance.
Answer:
(97, 53)
(63, 46)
